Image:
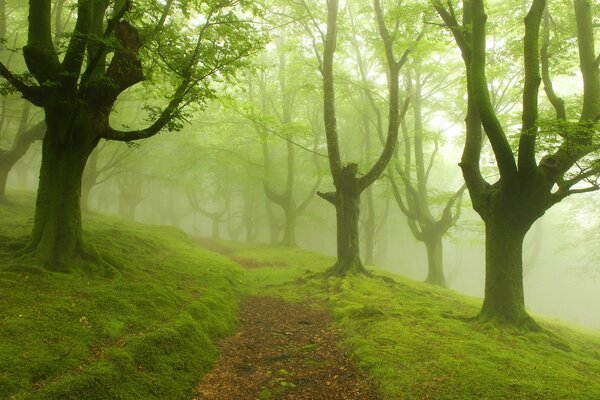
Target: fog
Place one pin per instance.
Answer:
(250, 151)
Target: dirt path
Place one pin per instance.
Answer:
(283, 351)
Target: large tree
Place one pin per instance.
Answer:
(528, 184)
(187, 45)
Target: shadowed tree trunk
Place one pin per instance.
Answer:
(504, 296)
(370, 228)
(56, 235)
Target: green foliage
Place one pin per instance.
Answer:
(148, 334)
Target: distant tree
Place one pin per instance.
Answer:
(184, 45)
(104, 163)
(278, 118)
(28, 130)
(25, 136)
(416, 200)
(527, 187)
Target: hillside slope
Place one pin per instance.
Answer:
(147, 333)
(420, 342)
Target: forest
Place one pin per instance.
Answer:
(299, 199)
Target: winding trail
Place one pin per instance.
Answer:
(284, 351)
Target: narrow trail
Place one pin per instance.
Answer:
(283, 351)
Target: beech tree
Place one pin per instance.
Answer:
(285, 107)
(25, 136)
(415, 201)
(186, 46)
(528, 184)
(348, 184)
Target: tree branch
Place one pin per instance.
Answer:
(557, 102)
(529, 129)
(329, 196)
(479, 90)
(34, 94)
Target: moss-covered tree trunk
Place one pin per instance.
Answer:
(435, 263)
(370, 228)
(348, 244)
(56, 234)
(504, 300)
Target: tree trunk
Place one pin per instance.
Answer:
(504, 300)
(289, 232)
(216, 221)
(370, 228)
(56, 235)
(85, 196)
(435, 274)
(348, 248)
(4, 171)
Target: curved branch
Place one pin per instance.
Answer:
(529, 130)
(74, 56)
(479, 90)
(329, 196)
(34, 94)
(557, 102)
(398, 197)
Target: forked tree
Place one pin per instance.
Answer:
(348, 184)
(528, 184)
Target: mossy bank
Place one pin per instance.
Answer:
(146, 333)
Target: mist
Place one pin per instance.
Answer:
(421, 151)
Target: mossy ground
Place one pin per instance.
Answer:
(421, 342)
(147, 333)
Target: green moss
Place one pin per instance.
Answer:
(420, 341)
(148, 333)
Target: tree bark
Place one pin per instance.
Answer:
(56, 235)
(435, 274)
(348, 249)
(504, 301)
(4, 170)
(370, 228)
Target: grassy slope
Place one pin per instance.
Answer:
(149, 332)
(416, 341)
(145, 334)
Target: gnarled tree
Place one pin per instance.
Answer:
(527, 187)
(104, 57)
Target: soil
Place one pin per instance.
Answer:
(284, 351)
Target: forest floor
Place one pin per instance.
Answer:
(284, 351)
(158, 328)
